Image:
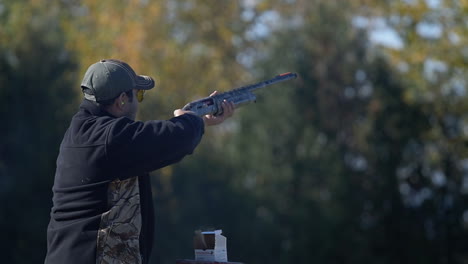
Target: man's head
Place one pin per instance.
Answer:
(113, 84)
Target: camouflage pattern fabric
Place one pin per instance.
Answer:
(119, 231)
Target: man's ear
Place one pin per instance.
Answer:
(121, 101)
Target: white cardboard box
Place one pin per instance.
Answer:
(210, 246)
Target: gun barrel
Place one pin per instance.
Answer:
(279, 78)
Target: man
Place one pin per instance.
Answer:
(102, 202)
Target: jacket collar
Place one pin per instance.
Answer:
(93, 109)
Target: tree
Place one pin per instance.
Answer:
(335, 149)
(433, 175)
(36, 79)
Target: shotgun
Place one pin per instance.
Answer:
(239, 96)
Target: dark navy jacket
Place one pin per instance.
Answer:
(102, 202)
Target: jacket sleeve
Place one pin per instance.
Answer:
(134, 147)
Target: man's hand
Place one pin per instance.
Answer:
(228, 111)
(179, 112)
(211, 120)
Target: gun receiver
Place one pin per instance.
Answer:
(239, 96)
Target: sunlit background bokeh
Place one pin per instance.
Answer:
(362, 159)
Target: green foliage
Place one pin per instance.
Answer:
(359, 160)
(37, 76)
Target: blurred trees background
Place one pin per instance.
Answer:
(362, 159)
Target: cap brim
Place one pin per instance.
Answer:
(144, 82)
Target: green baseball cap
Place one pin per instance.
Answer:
(107, 79)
